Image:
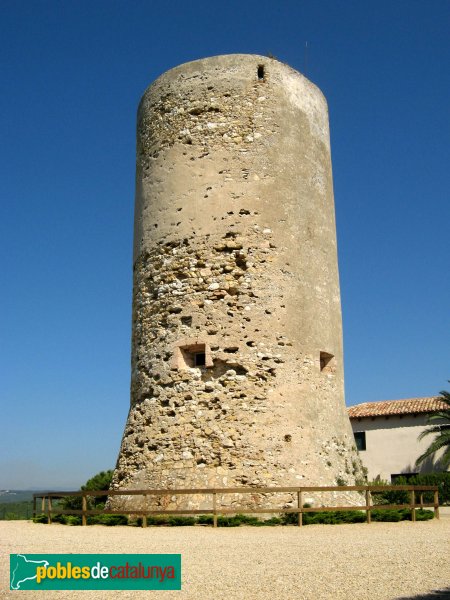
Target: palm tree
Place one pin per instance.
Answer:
(442, 440)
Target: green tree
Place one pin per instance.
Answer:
(442, 431)
(101, 481)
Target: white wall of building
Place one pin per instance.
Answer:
(392, 446)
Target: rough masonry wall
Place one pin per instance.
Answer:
(235, 268)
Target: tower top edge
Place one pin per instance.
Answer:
(234, 63)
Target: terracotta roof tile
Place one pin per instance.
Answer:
(410, 406)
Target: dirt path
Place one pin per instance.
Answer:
(381, 561)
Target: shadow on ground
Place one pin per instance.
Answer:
(435, 595)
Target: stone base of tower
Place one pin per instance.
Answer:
(330, 463)
(260, 411)
(210, 427)
(239, 501)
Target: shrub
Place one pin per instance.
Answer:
(272, 521)
(59, 519)
(333, 517)
(41, 518)
(387, 515)
(223, 521)
(403, 514)
(73, 520)
(329, 517)
(424, 515)
(176, 521)
(154, 520)
(101, 481)
(205, 519)
(109, 520)
(442, 480)
(388, 497)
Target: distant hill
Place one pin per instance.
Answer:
(9, 496)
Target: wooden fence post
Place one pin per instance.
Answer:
(49, 510)
(34, 506)
(413, 502)
(83, 508)
(43, 504)
(144, 517)
(436, 504)
(215, 509)
(368, 503)
(300, 505)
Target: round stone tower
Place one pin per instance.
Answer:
(237, 367)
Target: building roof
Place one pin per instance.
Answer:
(410, 406)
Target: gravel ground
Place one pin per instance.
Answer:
(378, 561)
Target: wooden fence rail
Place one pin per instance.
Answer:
(367, 491)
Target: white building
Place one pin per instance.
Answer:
(386, 436)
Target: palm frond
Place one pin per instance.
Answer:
(437, 444)
(441, 430)
(446, 457)
(444, 415)
(425, 432)
(444, 396)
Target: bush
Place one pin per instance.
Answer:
(73, 520)
(63, 519)
(109, 520)
(329, 517)
(101, 481)
(158, 520)
(388, 515)
(324, 517)
(154, 520)
(176, 521)
(41, 518)
(403, 514)
(387, 497)
(205, 519)
(272, 521)
(442, 480)
(424, 515)
(59, 519)
(236, 520)
(333, 517)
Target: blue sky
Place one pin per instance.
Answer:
(72, 74)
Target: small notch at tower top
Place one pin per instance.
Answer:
(261, 74)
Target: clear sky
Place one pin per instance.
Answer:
(72, 73)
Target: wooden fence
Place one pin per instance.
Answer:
(216, 509)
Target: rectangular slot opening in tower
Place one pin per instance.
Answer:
(192, 355)
(327, 362)
(261, 72)
(199, 359)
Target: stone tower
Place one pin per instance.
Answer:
(237, 367)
